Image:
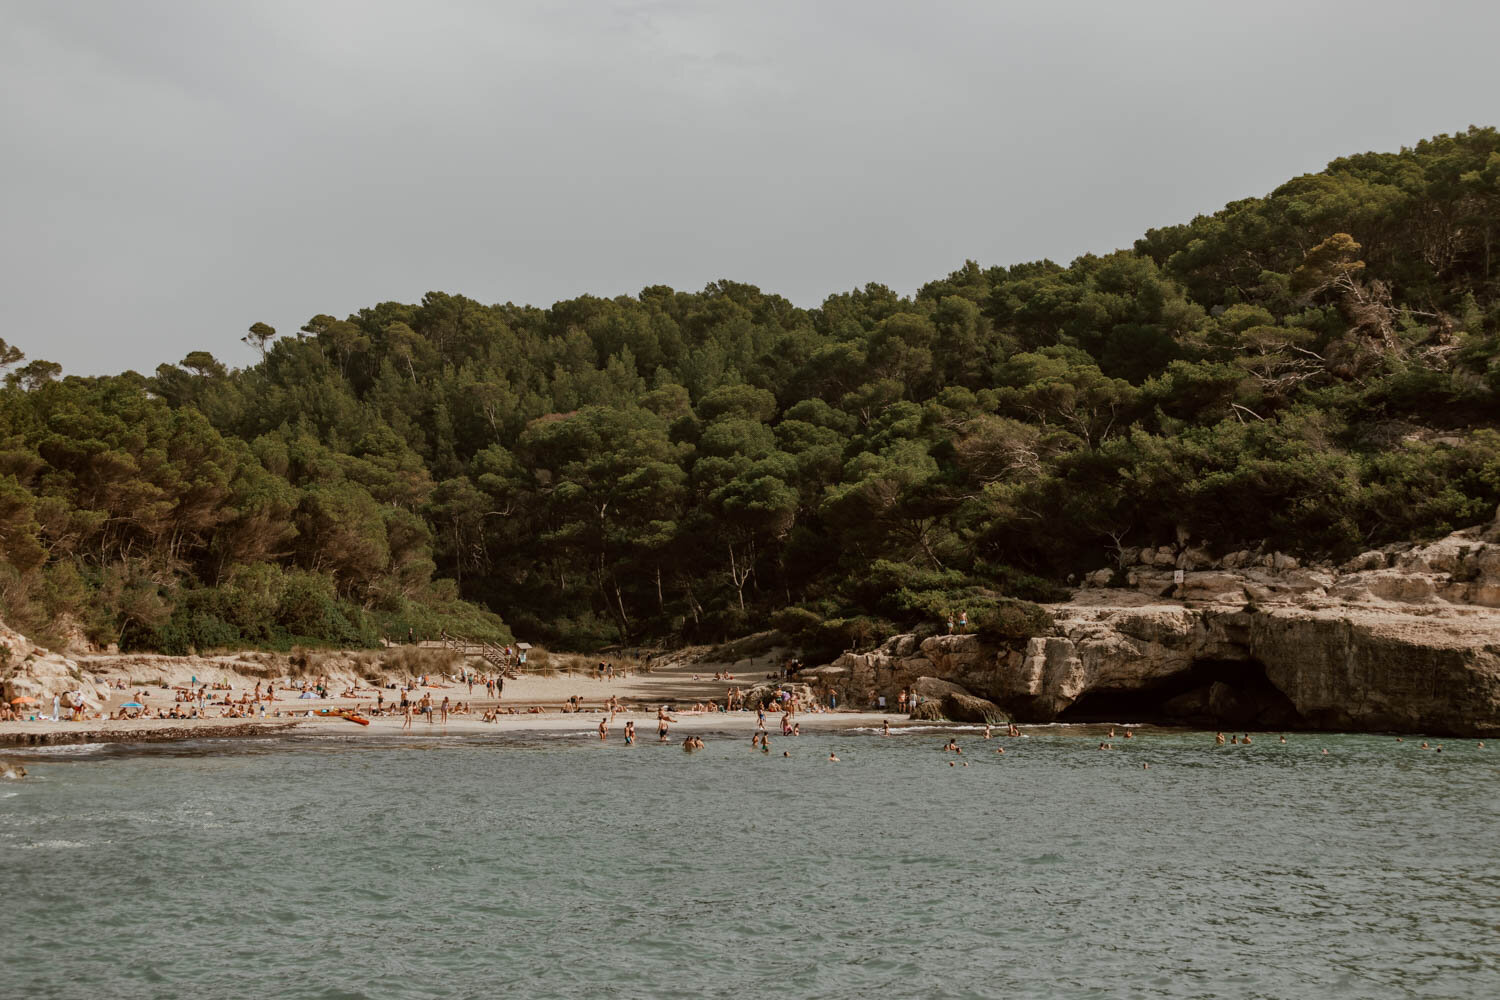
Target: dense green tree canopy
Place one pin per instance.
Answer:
(1315, 370)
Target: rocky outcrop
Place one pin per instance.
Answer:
(768, 692)
(1405, 638)
(940, 699)
(30, 671)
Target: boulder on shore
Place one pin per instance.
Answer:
(940, 699)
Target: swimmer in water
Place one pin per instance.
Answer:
(1001, 750)
(1325, 750)
(630, 733)
(1219, 739)
(833, 757)
(1128, 736)
(1145, 767)
(1246, 739)
(951, 745)
(1234, 740)
(1283, 739)
(1425, 746)
(786, 753)
(885, 728)
(1111, 732)
(986, 730)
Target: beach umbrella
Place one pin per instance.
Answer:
(132, 704)
(24, 699)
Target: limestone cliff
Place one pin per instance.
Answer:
(1403, 638)
(29, 671)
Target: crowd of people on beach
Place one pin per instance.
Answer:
(413, 699)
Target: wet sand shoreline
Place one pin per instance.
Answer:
(21, 735)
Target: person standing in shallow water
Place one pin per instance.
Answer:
(603, 730)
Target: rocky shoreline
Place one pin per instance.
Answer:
(154, 732)
(1405, 638)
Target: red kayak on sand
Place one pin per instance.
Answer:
(329, 713)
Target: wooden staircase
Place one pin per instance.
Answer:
(492, 654)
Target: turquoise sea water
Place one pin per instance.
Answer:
(551, 866)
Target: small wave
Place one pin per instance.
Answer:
(52, 844)
(64, 749)
(944, 727)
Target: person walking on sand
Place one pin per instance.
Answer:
(445, 710)
(406, 707)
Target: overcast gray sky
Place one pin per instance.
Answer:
(173, 171)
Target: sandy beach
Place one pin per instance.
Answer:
(537, 700)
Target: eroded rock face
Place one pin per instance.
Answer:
(28, 670)
(1406, 639)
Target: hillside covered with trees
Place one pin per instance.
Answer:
(1316, 370)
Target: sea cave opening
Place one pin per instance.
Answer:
(1210, 692)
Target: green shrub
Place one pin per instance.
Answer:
(1009, 620)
